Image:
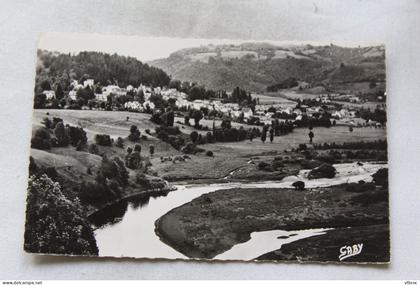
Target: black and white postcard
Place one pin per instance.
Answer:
(209, 149)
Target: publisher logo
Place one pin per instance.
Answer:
(350, 250)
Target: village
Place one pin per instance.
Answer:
(146, 99)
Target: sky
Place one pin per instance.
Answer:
(143, 48)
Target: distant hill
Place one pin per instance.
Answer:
(256, 66)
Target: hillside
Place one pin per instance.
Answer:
(256, 66)
(55, 68)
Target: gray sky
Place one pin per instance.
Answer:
(143, 48)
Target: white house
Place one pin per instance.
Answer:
(101, 97)
(247, 113)
(49, 94)
(73, 95)
(88, 82)
(114, 89)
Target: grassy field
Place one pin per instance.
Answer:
(227, 156)
(273, 99)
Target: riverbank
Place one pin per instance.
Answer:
(212, 223)
(326, 248)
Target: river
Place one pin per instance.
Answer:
(127, 228)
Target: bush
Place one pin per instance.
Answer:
(276, 164)
(133, 160)
(209, 153)
(134, 135)
(381, 177)
(194, 136)
(93, 149)
(114, 168)
(299, 185)
(61, 134)
(137, 148)
(264, 166)
(119, 143)
(142, 180)
(41, 139)
(77, 136)
(323, 171)
(191, 148)
(103, 140)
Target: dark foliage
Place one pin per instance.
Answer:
(53, 223)
(103, 140)
(323, 171)
(99, 66)
(41, 139)
(134, 135)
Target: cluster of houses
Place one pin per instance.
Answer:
(264, 113)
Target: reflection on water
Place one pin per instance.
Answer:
(114, 213)
(110, 215)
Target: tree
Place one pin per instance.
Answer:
(151, 150)
(103, 140)
(61, 134)
(41, 139)
(271, 135)
(194, 136)
(119, 143)
(311, 136)
(170, 118)
(137, 148)
(187, 120)
(55, 224)
(39, 101)
(59, 93)
(264, 134)
(197, 115)
(134, 135)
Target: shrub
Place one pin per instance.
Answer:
(299, 185)
(77, 136)
(264, 166)
(41, 139)
(119, 143)
(103, 140)
(134, 135)
(61, 134)
(191, 148)
(302, 146)
(323, 171)
(151, 150)
(137, 148)
(209, 153)
(133, 160)
(381, 177)
(93, 149)
(142, 180)
(47, 123)
(114, 168)
(276, 164)
(194, 136)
